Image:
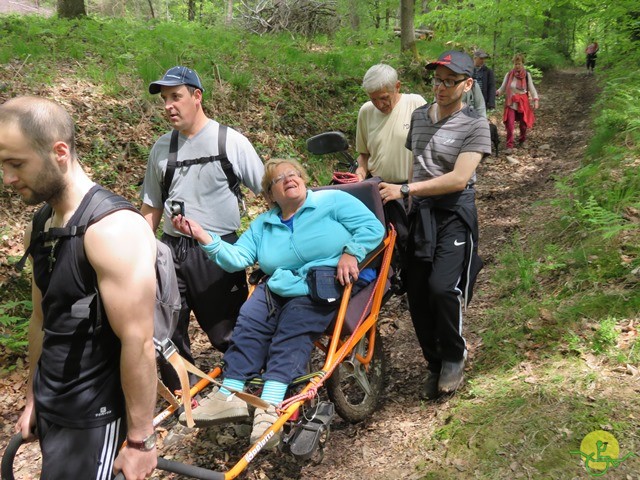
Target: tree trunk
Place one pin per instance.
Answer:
(229, 18)
(71, 8)
(407, 30)
(153, 15)
(376, 15)
(547, 25)
(191, 10)
(354, 18)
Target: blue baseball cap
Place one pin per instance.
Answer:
(176, 76)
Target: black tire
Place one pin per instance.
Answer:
(9, 454)
(345, 389)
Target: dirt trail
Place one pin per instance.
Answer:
(391, 442)
(24, 7)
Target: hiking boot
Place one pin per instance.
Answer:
(508, 151)
(451, 376)
(217, 408)
(262, 420)
(430, 388)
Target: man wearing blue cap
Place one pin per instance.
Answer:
(448, 139)
(196, 170)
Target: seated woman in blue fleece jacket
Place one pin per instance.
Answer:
(278, 324)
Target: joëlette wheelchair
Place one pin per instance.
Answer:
(353, 369)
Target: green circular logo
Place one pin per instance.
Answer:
(601, 448)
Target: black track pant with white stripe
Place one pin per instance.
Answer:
(433, 291)
(79, 454)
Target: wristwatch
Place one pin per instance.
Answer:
(145, 445)
(404, 190)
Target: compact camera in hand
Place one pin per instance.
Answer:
(176, 208)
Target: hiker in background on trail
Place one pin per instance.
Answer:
(517, 88)
(592, 54)
(485, 78)
(92, 378)
(448, 139)
(278, 324)
(196, 170)
(381, 134)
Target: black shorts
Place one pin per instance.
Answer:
(79, 454)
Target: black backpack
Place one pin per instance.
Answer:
(168, 301)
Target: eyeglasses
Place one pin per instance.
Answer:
(436, 82)
(286, 175)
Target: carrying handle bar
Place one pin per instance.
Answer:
(6, 466)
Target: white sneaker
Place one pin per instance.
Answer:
(262, 420)
(216, 409)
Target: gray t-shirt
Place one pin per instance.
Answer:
(203, 188)
(436, 146)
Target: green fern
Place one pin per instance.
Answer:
(596, 217)
(14, 325)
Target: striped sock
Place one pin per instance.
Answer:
(274, 392)
(231, 383)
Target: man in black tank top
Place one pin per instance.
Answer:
(92, 379)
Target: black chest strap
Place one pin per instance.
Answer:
(39, 236)
(227, 168)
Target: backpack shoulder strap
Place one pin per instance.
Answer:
(87, 213)
(227, 168)
(37, 233)
(171, 165)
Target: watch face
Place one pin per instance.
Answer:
(404, 190)
(150, 441)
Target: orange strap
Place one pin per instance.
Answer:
(178, 364)
(165, 393)
(182, 366)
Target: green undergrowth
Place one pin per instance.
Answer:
(560, 354)
(525, 422)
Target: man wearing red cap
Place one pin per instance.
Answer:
(448, 139)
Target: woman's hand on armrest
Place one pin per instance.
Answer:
(347, 269)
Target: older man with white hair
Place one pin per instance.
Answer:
(383, 124)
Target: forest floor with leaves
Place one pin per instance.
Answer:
(399, 437)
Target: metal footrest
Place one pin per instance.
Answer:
(311, 431)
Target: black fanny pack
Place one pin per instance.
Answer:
(324, 287)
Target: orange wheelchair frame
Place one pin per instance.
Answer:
(350, 349)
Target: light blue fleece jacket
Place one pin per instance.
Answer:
(329, 223)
